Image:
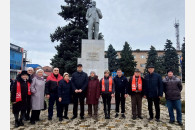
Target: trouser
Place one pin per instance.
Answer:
(53, 98)
(120, 98)
(81, 98)
(27, 113)
(35, 115)
(136, 104)
(177, 105)
(93, 24)
(107, 102)
(95, 109)
(22, 115)
(157, 107)
(63, 107)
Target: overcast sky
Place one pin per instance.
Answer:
(141, 23)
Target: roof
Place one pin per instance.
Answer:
(33, 65)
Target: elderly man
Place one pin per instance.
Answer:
(153, 91)
(51, 90)
(79, 86)
(136, 92)
(92, 16)
(172, 89)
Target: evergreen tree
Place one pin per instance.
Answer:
(127, 63)
(171, 60)
(70, 35)
(160, 68)
(152, 59)
(183, 60)
(112, 59)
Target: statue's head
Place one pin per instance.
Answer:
(93, 3)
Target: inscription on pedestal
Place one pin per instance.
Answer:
(94, 56)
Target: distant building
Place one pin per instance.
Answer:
(34, 66)
(16, 60)
(141, 56)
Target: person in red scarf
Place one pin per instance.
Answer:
(19, 93)
(51, 91)
(136, 92)
(64, 94)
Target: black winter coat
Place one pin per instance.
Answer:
(172, 88)
(79, 80)
(51, 85)
(153, 85)
(65, 91)
(130, 86)
(121, 84)
(106, 82)
(22, 105)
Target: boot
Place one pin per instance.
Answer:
(108, 116)
(17, 123)
(32, 122)
(105, 115)
(116, 115)
(123, 115)
(21, 123)
(60, 119)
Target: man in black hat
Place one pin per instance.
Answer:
(153, 91)
(172, 89)
(79, 84)
(136, 92)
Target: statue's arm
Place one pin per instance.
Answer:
(87, 15)
(99, 13)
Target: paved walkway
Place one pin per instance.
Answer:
(103, 124)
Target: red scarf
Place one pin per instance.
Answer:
(110, 85)
(67, 81)
(139, 84)
(18, 91)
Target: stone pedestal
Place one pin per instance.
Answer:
(92, 57)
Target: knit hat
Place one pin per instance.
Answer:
(169, 70)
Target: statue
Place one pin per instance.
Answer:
(93, 15)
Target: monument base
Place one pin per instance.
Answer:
(92, 57)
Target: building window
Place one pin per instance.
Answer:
(142, 56)
(143, 65)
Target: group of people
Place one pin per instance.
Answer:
(29, 92)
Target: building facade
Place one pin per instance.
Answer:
(16, 60)
(140, 56)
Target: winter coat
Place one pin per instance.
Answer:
(130, 87)
(21, 105)
(93, 90)
(51, 85)
(172, 88)
(153, 85)
(79, 80)
(121, 84)
(37, 89)
(65, 91)
(106, 82)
